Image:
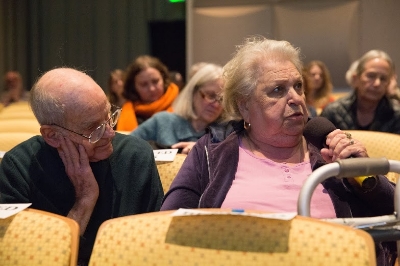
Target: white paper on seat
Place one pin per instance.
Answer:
(7, 210)
(165, 155)
(286, 216)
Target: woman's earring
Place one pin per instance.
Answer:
(246, 125)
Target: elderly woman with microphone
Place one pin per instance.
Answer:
(260, 159)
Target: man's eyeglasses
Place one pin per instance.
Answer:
(210, 98)
(98, 133)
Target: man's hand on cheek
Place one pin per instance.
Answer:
(77, 167)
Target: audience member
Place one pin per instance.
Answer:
(148, 90)
(350, 73)
(393, 91)
(195, 67)
(319, 85)
(13, 89)
(261, 161)
(116, 87)
(177, 79)
(196, 107)
(368, 107)
(312, 112)
(90, 176)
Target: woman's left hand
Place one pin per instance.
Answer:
(341, 145)
(185, 146)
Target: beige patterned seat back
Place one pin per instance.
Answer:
(20, 110)
(161, 239)
(168, 170)
(34, 237)
(380, 144)
(20, 125)
(9, 140)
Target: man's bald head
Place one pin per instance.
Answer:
(64, 92)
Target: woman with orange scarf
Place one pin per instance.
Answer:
(148, 90)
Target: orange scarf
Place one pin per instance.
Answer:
(128, 121)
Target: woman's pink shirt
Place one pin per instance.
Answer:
(262, 184)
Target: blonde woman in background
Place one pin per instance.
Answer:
(319, 85)
(197, 106)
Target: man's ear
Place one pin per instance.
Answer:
(244, 110)
(50, 135)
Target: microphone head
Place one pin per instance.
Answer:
(317, 129)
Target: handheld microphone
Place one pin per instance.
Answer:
(315, 132)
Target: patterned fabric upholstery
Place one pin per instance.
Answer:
(160, 239)
(168, 170)
(34, 237)
(380, 144)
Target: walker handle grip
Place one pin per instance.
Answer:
(352, 167)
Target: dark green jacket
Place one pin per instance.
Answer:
(128, 182)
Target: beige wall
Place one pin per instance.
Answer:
(336, 32)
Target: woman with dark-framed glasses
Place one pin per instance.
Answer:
(197, 106)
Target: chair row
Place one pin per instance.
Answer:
(167, 170)
(379, 144)
(207, 239)
(210, 237)
(20, 125)
(20, 110)
(18, 117)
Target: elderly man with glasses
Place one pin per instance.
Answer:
(79, 167)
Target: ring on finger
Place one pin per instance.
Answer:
(348, 135)
(351, 141)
